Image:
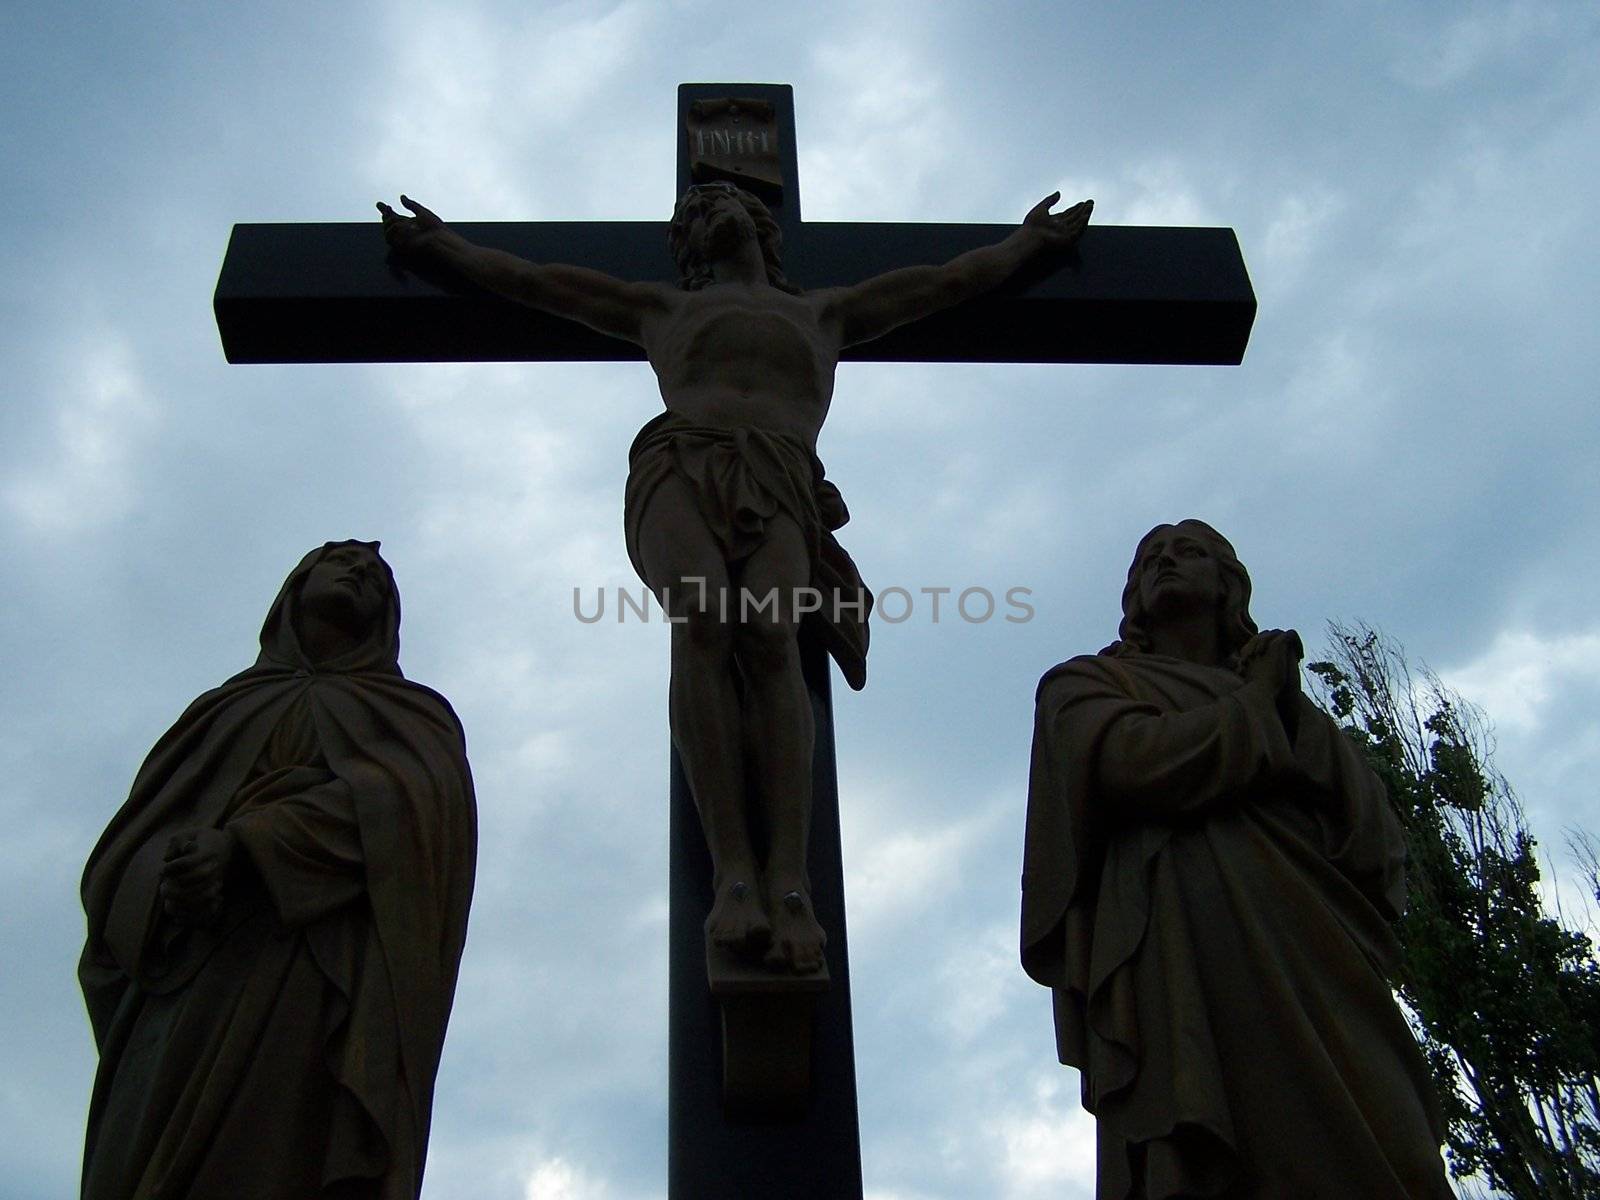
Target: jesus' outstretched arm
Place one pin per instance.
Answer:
(600, 301)
(875, 306)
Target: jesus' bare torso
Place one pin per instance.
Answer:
(736, 355)
(734, 349)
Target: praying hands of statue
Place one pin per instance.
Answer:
(193, 874)
(1270, 662)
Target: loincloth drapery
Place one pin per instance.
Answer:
(740, 479)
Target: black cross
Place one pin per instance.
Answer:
(1128, 294)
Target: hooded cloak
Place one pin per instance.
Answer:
(1210, 900)
(288, 1049)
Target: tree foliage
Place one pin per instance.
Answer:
(1504, 996)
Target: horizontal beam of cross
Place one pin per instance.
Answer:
(1127, 294)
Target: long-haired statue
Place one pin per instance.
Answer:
(1208, 886)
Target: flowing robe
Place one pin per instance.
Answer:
(1211, 904)
(288, 1049)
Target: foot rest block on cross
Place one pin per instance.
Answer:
(767, 1019)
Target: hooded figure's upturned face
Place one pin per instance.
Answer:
(347, 587)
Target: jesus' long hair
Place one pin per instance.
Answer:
(694, 272)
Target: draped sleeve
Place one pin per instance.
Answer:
(1106, 752)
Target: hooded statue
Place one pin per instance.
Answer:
(276, 916)
(1209, 882)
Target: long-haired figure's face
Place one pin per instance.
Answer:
(1177, 573)
(710, 221)
(1182, 569)
(714, 221)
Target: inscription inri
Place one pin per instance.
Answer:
(736, 140)
(733, 143)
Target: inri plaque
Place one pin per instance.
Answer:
(736, 140)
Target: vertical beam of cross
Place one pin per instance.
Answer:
(815, 1154)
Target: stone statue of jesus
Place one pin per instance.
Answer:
(729, 519)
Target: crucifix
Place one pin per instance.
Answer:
(725, 490)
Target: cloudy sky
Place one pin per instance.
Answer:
(1414, 189)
